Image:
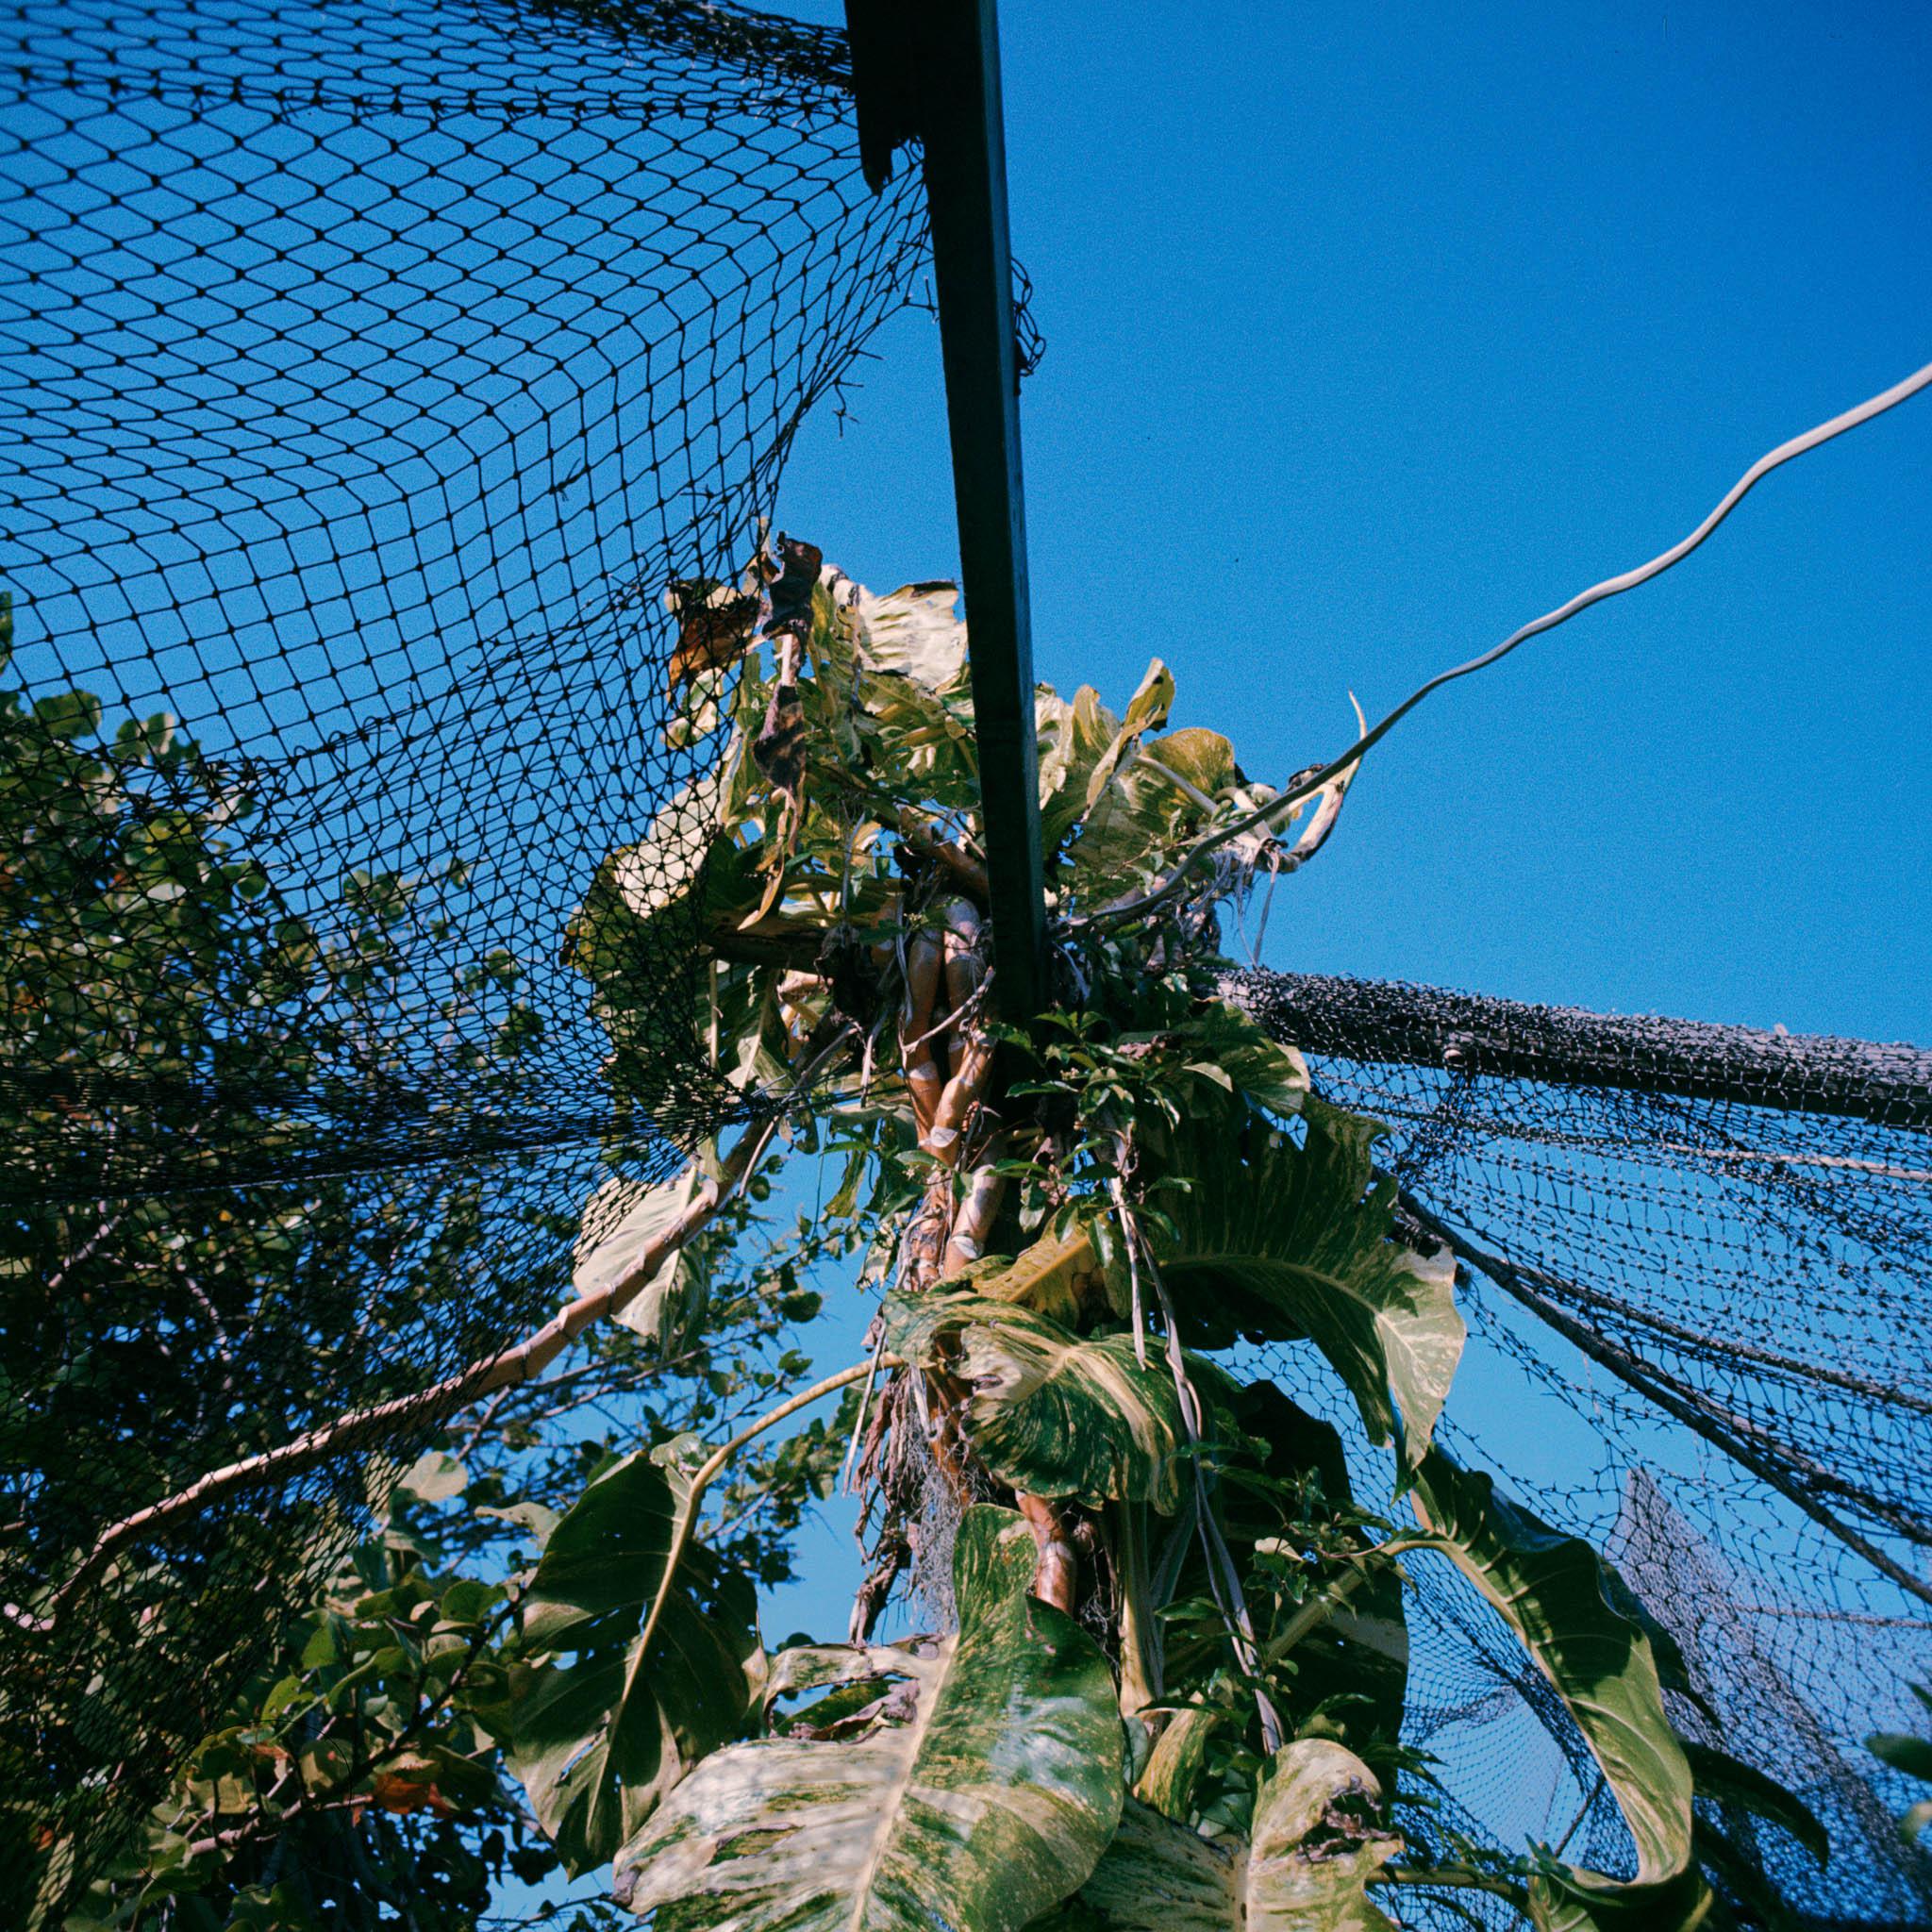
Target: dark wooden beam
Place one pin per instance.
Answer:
(933, 70)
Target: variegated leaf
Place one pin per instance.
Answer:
(979, 1794)
(1296, 1241)
(1147, 712)
(1050, 1411)
(1315, 1849)
(1556, 1594)
(1315, 1845)
(1047, 1276)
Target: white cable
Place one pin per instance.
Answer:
(1611, 586)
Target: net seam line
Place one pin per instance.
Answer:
(1509, 1277)
(1394, 1023)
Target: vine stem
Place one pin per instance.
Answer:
(1223, 1581)
(1306, 785)
(703, 1476)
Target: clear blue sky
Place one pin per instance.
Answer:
(1374, 331)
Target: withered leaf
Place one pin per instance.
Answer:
(779, 748)
(714, 625)
(788, 596)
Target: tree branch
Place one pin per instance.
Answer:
(520, 1364)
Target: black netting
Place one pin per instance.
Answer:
(389, 362)
(409, 386)
(1699, 1260)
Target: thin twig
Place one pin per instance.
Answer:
(701, 1479)
(1125, 1219)
(1557, 1850)
(1223, 1580)
(864, 1402)
(523, 1362)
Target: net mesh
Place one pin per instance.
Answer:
(389, 361)
(1697, 1260)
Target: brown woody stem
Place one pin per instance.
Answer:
(523, 1362)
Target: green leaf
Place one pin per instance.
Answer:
(69, 714)
(1315, 1847)
(1050, 1411)
(1271, 1075)
(435, 1477)
(1903, 1752)
(1294, 1240)
(980, 1793)
(1725, 1780)
(1562, 1900)
(1735, 1865)
(1554, 1591)
(598, 1743)
(620, 1219)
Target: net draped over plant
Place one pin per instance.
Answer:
(1701, 1255)
(412, 386)
(389, 362)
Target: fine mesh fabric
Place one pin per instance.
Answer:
(389, 363)
(1698, 1262)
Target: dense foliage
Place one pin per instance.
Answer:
(1170, 1670)
(360, 1773)
(1160, 1668)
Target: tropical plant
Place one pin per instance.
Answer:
(1165, 1674)
(360, 1770)
(1158, 1660)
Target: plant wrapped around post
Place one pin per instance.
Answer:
(1184, 1700)
(1158, 1669)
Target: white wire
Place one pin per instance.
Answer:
(1611, 586)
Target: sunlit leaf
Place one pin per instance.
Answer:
(599, 1742)
(1295, 1242)
(1551, 1590)
(979, 1794)
(1146, 711)
(1050, 1411)
(623, 1217)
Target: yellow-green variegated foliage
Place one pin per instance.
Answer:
(976, 1784)
(1213, 1741)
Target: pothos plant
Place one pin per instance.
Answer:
(1162, 1674)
